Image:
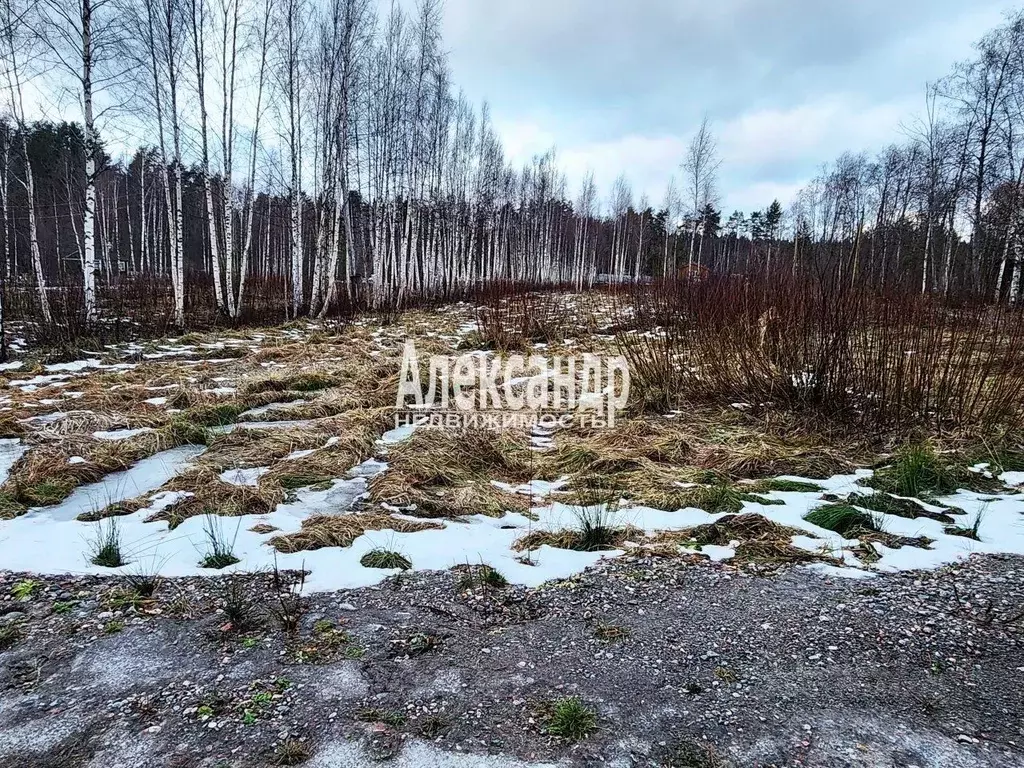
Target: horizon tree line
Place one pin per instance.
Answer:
(321, 147)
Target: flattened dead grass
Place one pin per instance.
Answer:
(570, 538)
(755, 538)
(212, 496)
(322, 531)
(44, 476)
(729, 528)
(448, 474)
(447, 457)
(622, 448)
(10, 426)
(647, 458)
(475, 497)
(304, 381)
(244, 448)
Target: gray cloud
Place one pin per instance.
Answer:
(789, 84)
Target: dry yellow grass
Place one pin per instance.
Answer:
(212, 496)
(470, 497)
(622, 448)
(448, 474)
(569, 538)
(44, 475)
(758, 540)
(341, 530)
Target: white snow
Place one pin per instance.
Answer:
(537, 489)
(225, 428)
(263, 409)
(121, 434)
(31, 385)
(398, 434)
(156, 401)
(46, 418)
(1012, 478)
(11, 449)
(51, 540)
(77, 365)
(146, 475)
(250, 476)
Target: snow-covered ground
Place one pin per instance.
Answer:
(51, 539)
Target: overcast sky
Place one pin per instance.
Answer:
(619, 85)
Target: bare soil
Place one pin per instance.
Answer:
(685, 662)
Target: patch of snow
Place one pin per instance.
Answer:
(369, 468)
(11, 449)
(397, 434)
(144, 476)
(156, 401)
(51, 540)
(11, 366)
(45, 418)
(31, 385)
(538, 489)
(825, 569)
(76, 460)
(226, 428)
(76, 365)
(1012, 479)
(259, 411)
(717, 552)
(250, 476)
(120, 434)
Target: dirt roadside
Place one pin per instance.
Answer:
(684, 662)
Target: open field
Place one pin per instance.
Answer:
(222, 542)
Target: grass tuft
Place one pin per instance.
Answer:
(392, 717)
(571, 719)
(220, 551)
(383, 558)
(288, 606)
(595, 531)
(844, 519)
(482, 576)
(144, 582)
(968, 531)
(23, 589)
(785, 486)
(240, 608)
(291, 752)
(891, 505)
(106, 546)
(10, 633)
(918, 470)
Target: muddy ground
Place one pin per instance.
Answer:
(685, 662)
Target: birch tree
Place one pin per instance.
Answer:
(700, 167)
(82, 39)
(18, 46)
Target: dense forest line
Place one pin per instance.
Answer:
(322, 147)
